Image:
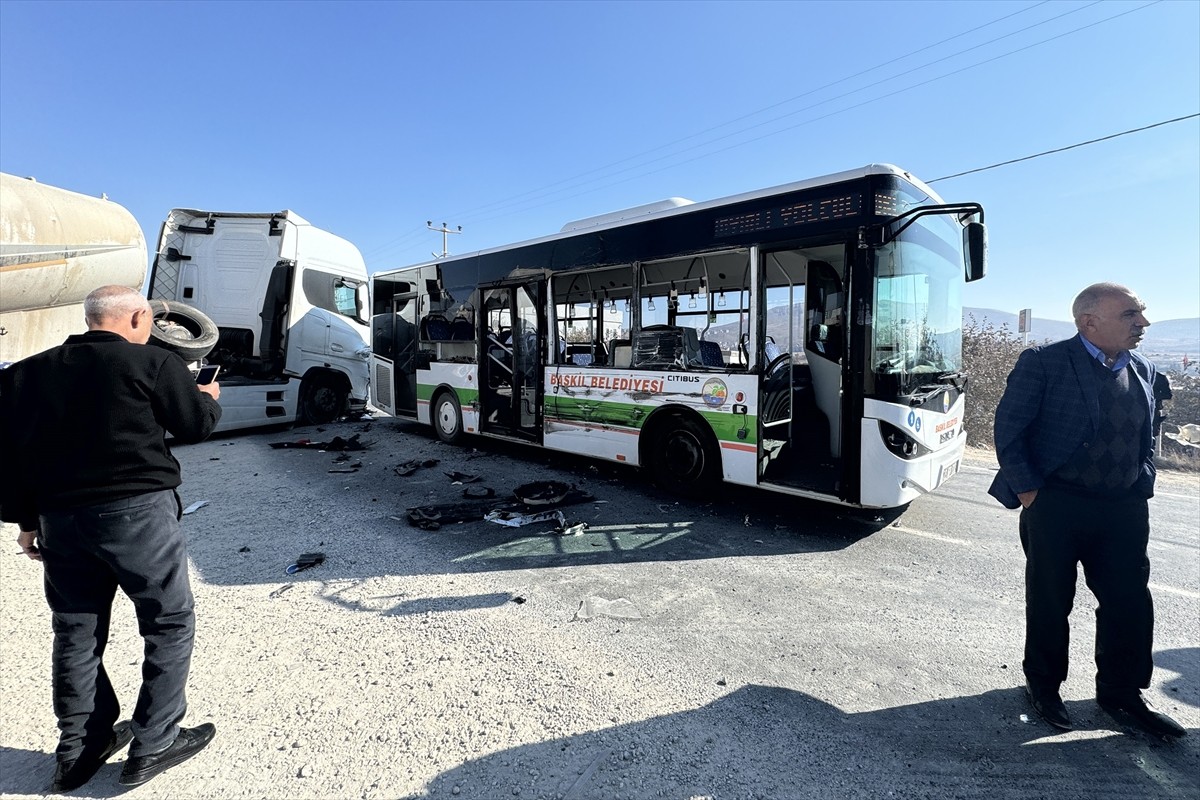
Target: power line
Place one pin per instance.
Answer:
(1062, 149)
(500, 213)
(574, 181)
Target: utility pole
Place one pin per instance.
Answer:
(445, 232)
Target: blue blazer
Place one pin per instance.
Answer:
(1050, 408)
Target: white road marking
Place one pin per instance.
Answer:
(1172, 494)
(928, 535)
(1174, 590)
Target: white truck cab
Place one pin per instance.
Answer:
(290, 304)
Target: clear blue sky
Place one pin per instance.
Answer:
(512, 118)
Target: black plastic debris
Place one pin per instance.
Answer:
(432, 517)
(305, 561)
(409, 467)
(542, 493)
(244, 549)
(479, 492)
(336, 444)
(355, 467)
(461, 477)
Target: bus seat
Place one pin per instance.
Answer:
(581, 359)
(435, 328)
(600, 354)
(771, 351)
(462, 329)
(622, 352)
(710, 354)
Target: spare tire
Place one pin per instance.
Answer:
(185, 331)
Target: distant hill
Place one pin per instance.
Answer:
(1169, 337)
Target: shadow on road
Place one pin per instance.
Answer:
(769, 742)
(368, 534)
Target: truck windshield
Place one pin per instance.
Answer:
(917, 333)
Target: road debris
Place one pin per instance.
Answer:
(409, 467)
(305, 561)
(336, 444)
(592, 607)
(196, 506)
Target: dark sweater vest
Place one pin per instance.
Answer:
(1111, 460)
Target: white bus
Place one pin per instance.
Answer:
(806, 339)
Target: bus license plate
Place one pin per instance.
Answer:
(948, 471)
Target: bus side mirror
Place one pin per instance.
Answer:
(975, 246)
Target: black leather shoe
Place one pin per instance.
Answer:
(1134, 708)
(70, 775)
(1049, 706)
(139, 769)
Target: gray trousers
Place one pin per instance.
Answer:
(135, 544)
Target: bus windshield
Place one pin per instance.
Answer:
(917, 335)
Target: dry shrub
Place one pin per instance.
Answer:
(989, 354)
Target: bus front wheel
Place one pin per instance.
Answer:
(447, 417)
(684, 458)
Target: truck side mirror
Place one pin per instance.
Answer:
(975, 246)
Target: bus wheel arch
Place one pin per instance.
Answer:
(324, 396)
(446, 416)
(680, 452)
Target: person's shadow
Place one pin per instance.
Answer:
(1185, 663)
(777, 744)
(29, 772)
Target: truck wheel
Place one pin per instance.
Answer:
(684, 458)
(447, 417)
(322, 400)
(185, 331)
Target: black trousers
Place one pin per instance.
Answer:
(135, 544)
(1108, 536)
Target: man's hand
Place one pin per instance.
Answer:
(28, 542)
(213, 389)
(1027, 498)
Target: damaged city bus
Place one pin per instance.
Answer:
(805, 339)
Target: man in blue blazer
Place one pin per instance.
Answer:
(1075, 445)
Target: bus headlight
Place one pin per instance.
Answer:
(900, 443)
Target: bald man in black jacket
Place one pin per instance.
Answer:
(92, 489)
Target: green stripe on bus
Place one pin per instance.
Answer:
(465, 396)
(725, 425)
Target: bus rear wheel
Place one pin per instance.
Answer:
(447, 417)
(684, 458)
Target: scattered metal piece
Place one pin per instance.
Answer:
(196, 506)
(281, 590)
(515, 519)
(462, 477)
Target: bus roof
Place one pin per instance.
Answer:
(678, 205)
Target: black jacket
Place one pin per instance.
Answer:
(85, 423)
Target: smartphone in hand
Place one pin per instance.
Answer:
(208, 373)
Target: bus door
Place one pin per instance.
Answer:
(404, 352)
(510, 366)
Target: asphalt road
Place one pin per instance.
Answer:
(750, 645)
